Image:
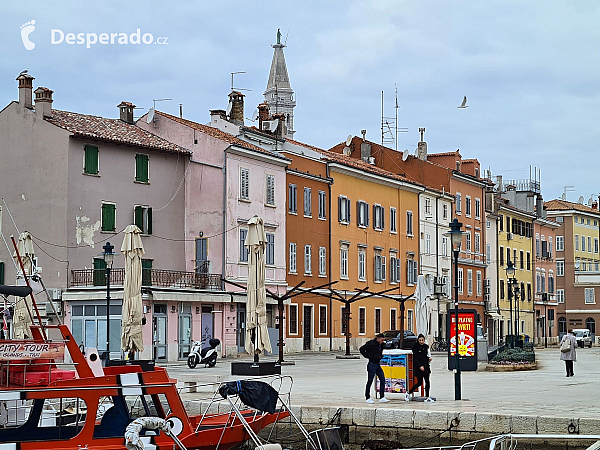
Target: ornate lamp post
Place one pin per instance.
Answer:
(109, 257)
(510, 273)
(456, 238)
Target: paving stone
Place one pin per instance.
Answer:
(589, 426)
(554, 425)
(492, 423)
(523, 424)
(363, 417)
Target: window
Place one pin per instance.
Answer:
(528, 261)
(409, 223)
(292, 257)
(479, 283)
(577, 242)
(551, 282)
(244, 184)
(521, 260)
(90, 160)
(243, 248)
(596, 266)
(322, 261)
(477, 208)
(488, 252)
(393, 220)
(583, 243)
(458, 203)
(307, 202)
(488, 224)
(344, 262)
(427, 244)
(468, 206)
(344, 316)
(595, 245)
(576, 219)
(560, 268)
(377, 320)
(589, 244)
(477, 243)
(362, 320)
(378, 217)
(468, 240)
(307, 260)
(109, 217)
(501, 254)
(560, 295)
(322, 205)
(469, 282)
(147, 272)
(362, 213)
(293, 319)
(590, 324)
(322, 319)
(590, 298)
(142, 217)
(444, 246)
(409, 319)
(292, 199)
(393, 319)
(411, 271)
(501, 222)
(543, 286)
(502, 289)
(270, 251)
(343, 209)
(507, 255)
(528, 292)
(550, 249)
(560, 244)
(380, 267)
(445, 211)
(394, 268)
(507, 224)
(460, 280)
(1, 272)
(362, 276)
(89, 326)
(270, 194)
(427, 206)
(515, 257)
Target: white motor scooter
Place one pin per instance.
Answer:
(207, 355)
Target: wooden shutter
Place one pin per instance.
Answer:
(348, 210)
(146, 272)
(374, 216)
(108, 217)
(99, 276)
(340, 209)
(358, 212)
(138, 217)
(91, 160)
(382, 213)
(149, 230)
(141, 168)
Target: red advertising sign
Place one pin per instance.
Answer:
(467, 334)
(10, 350)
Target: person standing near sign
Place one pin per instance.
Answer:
(373, 351)
(421, 369)
(567, 351)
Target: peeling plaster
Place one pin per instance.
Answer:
(85, 233)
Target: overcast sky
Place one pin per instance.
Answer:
(530, 70)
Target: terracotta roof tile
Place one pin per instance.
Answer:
(457, 152)
(302, 144)
(563, 205)
(216, 133)
(113, 130)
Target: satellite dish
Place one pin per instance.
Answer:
(590, 201)
(348, 140)
(228, 108)
(150, 115)
(255, 115)
(405, 155)
(563, 196)
(580, 200)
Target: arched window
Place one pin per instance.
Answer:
(590, 324)
(562, 325)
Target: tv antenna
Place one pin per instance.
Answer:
(389, 125)
(153, 109)
(567, 189)
(234, 88)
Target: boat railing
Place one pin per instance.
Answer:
(6, 366)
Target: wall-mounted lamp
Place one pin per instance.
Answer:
(197, 310)
(173, 308)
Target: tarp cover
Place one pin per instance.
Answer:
(255, 394)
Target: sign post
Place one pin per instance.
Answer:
(467, 339)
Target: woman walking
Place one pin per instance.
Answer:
(421, 369)
(567, 351)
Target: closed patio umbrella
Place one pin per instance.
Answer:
(131, 330)
(23, 306)
(256, 308)
(422, 306)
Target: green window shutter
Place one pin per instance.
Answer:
(1, 273)
(146, 272)
(99, 272)
(91, 160)
(149, 230)
(108, 217)
(141, 168)
(138, 217)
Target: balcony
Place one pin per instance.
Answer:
(583, 278)
(150, 278)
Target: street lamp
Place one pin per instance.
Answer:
(456, 239)
(510, 273)
(517, 291)
(545, 302)
(109, 257)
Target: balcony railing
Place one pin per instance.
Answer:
(150, 277)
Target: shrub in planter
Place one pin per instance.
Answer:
(514, 356)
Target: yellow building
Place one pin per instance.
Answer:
(374, 243)
(515, 245)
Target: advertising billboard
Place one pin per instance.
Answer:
(467, 339)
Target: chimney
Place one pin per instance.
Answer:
(539, 206)
(263, 114)
(126, 111)
(216, 114)
(499, 183)
(236, 103)
(25, 90)
(364, 133)
(595, 205)
(281, 130)
(422, 147)
(365, 147)
(43, 102)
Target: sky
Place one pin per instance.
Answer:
(530, 70)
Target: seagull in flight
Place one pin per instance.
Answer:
(464, 103)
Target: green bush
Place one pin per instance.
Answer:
(514, 355)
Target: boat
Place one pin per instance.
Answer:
(49, 404)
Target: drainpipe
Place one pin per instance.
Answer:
(437, 260)
(330, 258)
(223, 246)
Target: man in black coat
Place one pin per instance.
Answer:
(373, 351)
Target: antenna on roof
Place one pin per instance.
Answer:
(389, 125)
(234, 88)
(567, 189)
(286, 36)
(154, 106)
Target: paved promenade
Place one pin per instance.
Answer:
(322, 380)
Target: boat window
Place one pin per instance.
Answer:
(63, 412)
(14, 413)
(158, 405)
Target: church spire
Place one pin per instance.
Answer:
(279, 94)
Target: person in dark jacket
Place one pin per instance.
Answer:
(421, 369)
(373, 351)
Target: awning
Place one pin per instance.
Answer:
(95, 294)
(241, 298)
(493, 315)
(205, 297)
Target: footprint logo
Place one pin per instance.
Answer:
(26, 30)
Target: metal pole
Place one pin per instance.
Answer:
(107, 315)
(545, 325)
(457, 394)
(510, 298)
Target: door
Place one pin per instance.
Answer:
(307, 327)
(159, 337)
(241, 328)
(201, 255)
(185, 331)
(207, 325)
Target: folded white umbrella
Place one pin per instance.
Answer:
(131, 325)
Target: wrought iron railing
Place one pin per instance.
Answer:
(150, 277)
